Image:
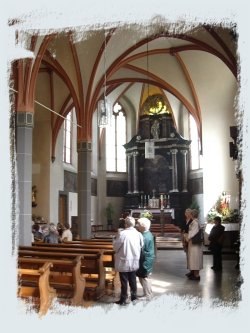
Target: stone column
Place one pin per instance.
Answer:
(135, 171)
(129, 174)
(184, 171)
(24, 133)
(174, 171)
(84, 150)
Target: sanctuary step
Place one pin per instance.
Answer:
(169, 241)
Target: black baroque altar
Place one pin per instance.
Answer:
(164, 176)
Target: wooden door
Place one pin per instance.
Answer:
(63, 208)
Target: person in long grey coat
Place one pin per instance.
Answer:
(195, 252)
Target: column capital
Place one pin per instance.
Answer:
(84, 146)
(24, 119)
(174, 151)
(129, 155)
(184, 152)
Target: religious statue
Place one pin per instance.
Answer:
(34, 191)
(155, 129)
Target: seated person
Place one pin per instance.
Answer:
(59, 228)
(51, 234)
(67, 234)
(38, 235)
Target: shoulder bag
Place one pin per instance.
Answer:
(198, 238)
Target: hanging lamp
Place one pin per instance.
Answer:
(149, 145)
(103, 106)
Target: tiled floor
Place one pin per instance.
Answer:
(169, 278)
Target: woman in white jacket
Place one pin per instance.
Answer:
(195, 252)
(127, 246)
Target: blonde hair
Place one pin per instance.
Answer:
(195, 213)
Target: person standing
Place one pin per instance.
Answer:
(195, 254)
(188, 220)
(127, 246)
(216, 237)
(147, 257)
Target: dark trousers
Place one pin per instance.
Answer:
(217, 256)
(125, 278)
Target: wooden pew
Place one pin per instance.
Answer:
(92, 240)
(82, 245)
(34, 282)
(107, 255)
(64, 277)
(96, 227)
(91, 266)
(88, 247)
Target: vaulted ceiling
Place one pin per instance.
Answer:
(76, 67)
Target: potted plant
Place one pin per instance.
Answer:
(110, 213)
(147, 214)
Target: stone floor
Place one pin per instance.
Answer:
(169, 278)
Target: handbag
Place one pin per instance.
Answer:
(197, 238)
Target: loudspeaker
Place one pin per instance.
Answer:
(233, 150)
(233, 132)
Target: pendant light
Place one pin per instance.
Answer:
(149, 145)
(103, 106)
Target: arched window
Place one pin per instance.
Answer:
(67, 139)
(195, 160)
(115, 139)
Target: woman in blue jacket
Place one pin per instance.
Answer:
(147, 257)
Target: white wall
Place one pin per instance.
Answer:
(41, 152)
(217, 117)
(57, 176)
(72, 206)
(56, 179)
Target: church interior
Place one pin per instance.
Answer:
(126, 119)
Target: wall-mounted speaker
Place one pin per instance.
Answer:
(233, 150)
(233, 132)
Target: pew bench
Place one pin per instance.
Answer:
(90, 241)
(82, 245)
(107, 254)
(91, 267)
(64, 276)
(34, 283)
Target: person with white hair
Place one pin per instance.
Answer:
(188, 218)
(195, 252)
(147, 257)
(51, 234)
(127, 246)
